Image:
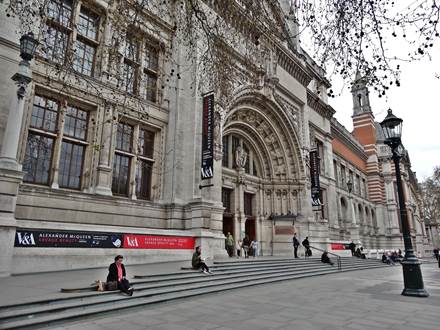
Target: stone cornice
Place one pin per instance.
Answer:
(322, 108)
(342, 134)
(293, 66)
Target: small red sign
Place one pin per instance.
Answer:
(337, 246)
(132, 241)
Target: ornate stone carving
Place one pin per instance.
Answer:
(240, 157)
(219, 120)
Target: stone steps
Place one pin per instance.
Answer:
(168, 286)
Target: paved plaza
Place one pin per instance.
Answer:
(357, 300)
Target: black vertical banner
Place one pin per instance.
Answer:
(207, 169)
(314, 177)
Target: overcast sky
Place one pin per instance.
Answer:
(416, 102)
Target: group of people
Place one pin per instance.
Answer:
(391, 258)
(247, 247)
(117, 280)
(305, 243)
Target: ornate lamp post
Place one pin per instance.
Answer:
(412, 274)
(10, 169)
(22, 78)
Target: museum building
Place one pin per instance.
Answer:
(109, 165)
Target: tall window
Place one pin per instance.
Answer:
(225, 143)
(140, 67)
(61, 22)
(150, 71)
(73, 147)
(121, 161)
(39, 161)
(134, 149)
(86, 42)
(358, 184)
(144, 164)
(57, 30)
(324, 204)
(230, 145)
(343, 177)
(335, 170)
(248, 198)
(226, 200)
(320, 148)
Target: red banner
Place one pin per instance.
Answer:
(132, 241)
(337, 246)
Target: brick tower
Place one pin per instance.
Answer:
(364, 131)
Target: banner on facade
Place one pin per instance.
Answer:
(207, 168)
(66, 239)
(132, 241)
(339, 246)
(314, 177)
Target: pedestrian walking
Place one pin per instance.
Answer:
(238, 248)
(198, 262)
(246, 243)
(306, 245)
(352, 248)
(436, 253)
(295, 245)
(116, 278)
(230, 244)
(254, 248)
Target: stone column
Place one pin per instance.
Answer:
(104, 180)
(57, 147)
(240, 199)
(10, 170)
(353, 226)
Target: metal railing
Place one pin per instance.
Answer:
(338, 258)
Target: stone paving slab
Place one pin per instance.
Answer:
(360, 300)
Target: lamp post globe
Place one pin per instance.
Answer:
(412, 274)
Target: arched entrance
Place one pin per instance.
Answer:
(260, 151)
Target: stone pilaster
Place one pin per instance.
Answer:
(104, 180)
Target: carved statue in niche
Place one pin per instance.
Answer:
(240, 157)
(219, 118)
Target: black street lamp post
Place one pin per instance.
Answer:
(412, 274)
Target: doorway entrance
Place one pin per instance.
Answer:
(249, 228)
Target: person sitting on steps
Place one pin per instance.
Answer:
(325, 258)
(116, 273)
(197, 261)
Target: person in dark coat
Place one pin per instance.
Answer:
(306, 245)
(246, 244)
(197, 261)
(295, 246)
(352, 248)
(116, 273)
(325, 258)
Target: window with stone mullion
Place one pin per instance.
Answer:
(150, 64)
(60, 11)
(86, 41)
(58, 28)
(144, 171)
(71, 163)
(121, 174)
(38, 158)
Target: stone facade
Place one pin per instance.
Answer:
(261, 184)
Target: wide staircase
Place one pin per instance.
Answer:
(153, 289)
